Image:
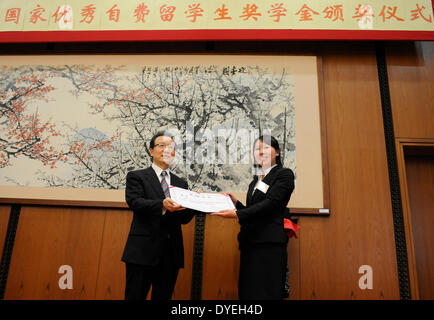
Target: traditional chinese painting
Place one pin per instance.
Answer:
(81, 125)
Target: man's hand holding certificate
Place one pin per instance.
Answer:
(205, 202)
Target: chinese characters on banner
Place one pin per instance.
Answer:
(51, 15)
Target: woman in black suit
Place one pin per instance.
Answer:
(262, 239)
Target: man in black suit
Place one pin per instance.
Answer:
(154, 250)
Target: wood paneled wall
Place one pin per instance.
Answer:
(324, 261)
(410, 67)
(4, 219)
(47, 238)
(420, 181)
(221, 259)
(89, 240)
(360, 228)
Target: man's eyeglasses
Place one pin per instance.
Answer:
(164, 146)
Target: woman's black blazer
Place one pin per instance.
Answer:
(261, 220)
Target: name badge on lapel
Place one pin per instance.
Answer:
(262, 186)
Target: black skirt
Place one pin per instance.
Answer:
(262, 271)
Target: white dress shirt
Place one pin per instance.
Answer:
(260, 179)
(158, 171)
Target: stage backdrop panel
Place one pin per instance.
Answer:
(73, 126)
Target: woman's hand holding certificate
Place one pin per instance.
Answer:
(205, 202)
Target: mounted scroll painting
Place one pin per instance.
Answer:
(73, 126)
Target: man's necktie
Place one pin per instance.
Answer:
(164, 184)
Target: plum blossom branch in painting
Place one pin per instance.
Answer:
(22, 132)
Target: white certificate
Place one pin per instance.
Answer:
(205, 202)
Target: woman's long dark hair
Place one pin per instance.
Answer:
(270, 140)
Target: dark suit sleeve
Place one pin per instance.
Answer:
(276, 197)
(239, 205)
(135, 196)
(182, 216)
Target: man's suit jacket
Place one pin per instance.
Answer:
(150, 229)
(261, 219)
